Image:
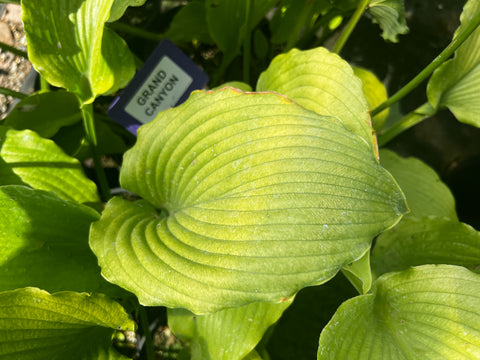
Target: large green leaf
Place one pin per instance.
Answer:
(66, 325)
(428, 312)
(28, 159)
(390, 15)
(229, 334)
(35, 113)
(44, 243)
(323, 82)
(456, 84)
(426, 194)
(247, 197)
(68, 46)
(431, 240)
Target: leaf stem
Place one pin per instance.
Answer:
(12, 93)
(350, 26)
(142, 312)
(247, 42)
(44, 85)
(411, 119)
(439, 60)
(13, 50)
(91, 135)
(132, 30)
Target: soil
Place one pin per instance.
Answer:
(13, 69)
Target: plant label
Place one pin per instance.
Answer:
(166, 80)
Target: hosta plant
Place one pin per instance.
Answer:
(233, 206)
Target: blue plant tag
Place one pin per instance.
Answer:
(166, 80)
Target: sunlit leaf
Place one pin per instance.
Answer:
(37, 230)
(376, 94)
(35, 113)
(456, 84)
(28, 159)
(229, 334)
(427, 312)
(429, 240)
(323, 82)
(70, 47)
(119, 7)
(247, 197)
(390, 15)
(66, 325)
(425, 192)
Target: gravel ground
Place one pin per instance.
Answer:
(13, 69)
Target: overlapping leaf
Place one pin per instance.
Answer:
(70, 46)
(35, 113)
(456, 84)
(66, 325)
(376, 94)
(427, 312)
(426, 194)
(28, 159)
(229, 334)
(431, 240)
(321, 81)
(44, 243)
(247, 196)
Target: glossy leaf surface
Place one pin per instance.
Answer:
(229, 334)
(427, 312)
(44, 243)
(66, 325)
(28, 159)
(430, 240)
(456, 84)
(320, 81)
(247, 196)
(69, 45)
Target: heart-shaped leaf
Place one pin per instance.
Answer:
(456, 84)
(69, 45)
(426, 194)
(35, 325)
(429, 240)
(229, 334)
(38, 229)
(28, 159)
(320, 81)
(427, 312)
(390, 15)
(247, 196)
